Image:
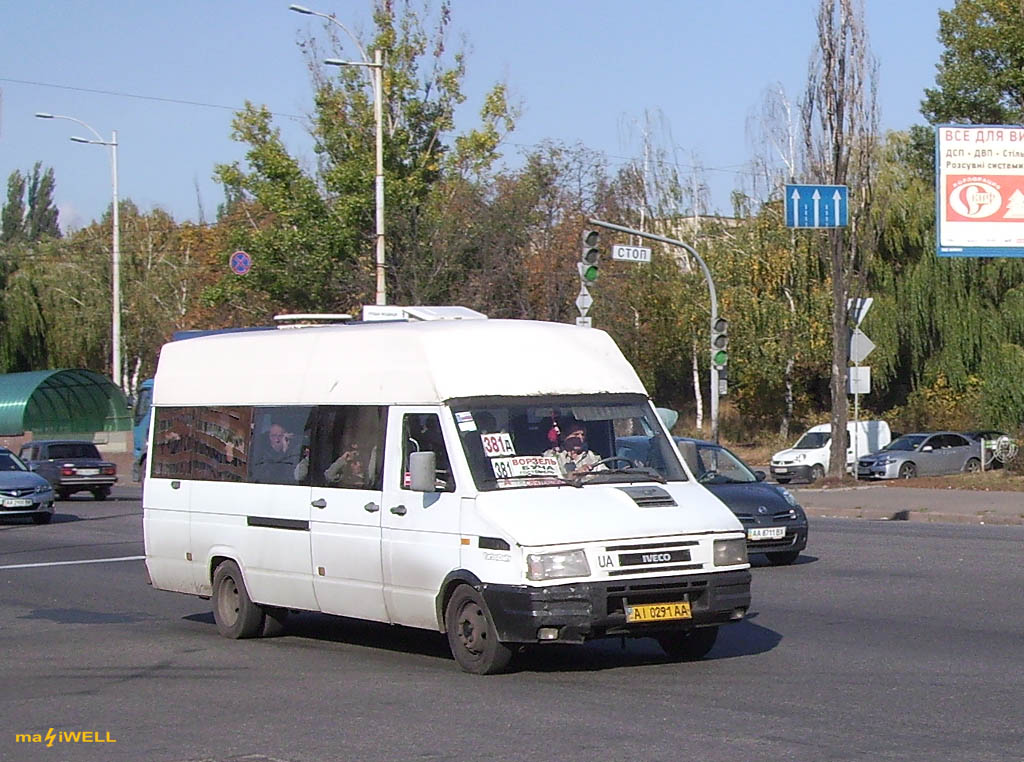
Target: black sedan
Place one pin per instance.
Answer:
(775, 523)
(23, 493)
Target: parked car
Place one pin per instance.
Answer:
(775, 523)
(922, 454)
(23, 493)
(71, 466)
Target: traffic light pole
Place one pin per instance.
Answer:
(714, 305)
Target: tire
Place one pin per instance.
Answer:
(694, 644)
(235, 613)
(782, 479)
(42, 517)
(101, 493)
(273, 621)
(472, 637)
(972, 466)
(908, 471)
(817, 473)
(63, 494)
(783, 559)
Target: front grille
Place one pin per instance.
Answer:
(639, 558)
(17, 492)
(776, 516)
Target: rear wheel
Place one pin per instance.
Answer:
(783, 559)
(472, 635)
(973, 465)
(908, 471)
(817, 473)
(64, 494)
(235, 613)
(101, 493)
(688, 645)
(42, 517)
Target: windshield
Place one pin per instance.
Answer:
(909, 442)
(547, 441)
(10, 462)
(716, 465)
(813, 440)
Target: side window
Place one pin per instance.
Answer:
(277, 444)
(955, 440)
(221, 441)
(347, 447)
(172, 454)
(421, 432)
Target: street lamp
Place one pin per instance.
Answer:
(377, 67)
(115, 271)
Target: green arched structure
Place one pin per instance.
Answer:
(56, 402)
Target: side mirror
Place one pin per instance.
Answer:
(927, 448)
(422, 471)
(761, 475)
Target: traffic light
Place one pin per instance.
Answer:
(589, 256)
(720, 344)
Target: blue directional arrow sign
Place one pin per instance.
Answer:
(816, 206)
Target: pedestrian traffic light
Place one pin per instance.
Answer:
(720, 343)
(589, 256)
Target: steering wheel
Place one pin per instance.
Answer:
(707, 476)
(613, 459)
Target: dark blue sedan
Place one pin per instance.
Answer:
(23, 493)
(775, 523)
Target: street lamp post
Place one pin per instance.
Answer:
(377, 68)
(115, 268)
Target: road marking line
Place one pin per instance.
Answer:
(69, 563)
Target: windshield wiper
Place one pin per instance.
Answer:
(648, 474)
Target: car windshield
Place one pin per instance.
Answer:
(716, 465)
(813, 440)
(67, 450)
(10, 462)
(549, 441)
(909, 442)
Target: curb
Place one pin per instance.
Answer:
(878, 514)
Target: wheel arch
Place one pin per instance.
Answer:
(451, 581)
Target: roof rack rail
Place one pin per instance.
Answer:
(305, 319)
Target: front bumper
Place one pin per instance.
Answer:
(801, 472)
(588, 610)
(795, 539)
(875, 471)
(39, 504)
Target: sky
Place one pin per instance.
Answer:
(168, 75)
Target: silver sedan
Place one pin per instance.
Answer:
(924, 454)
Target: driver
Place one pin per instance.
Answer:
(572, 453)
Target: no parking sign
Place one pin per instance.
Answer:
(240, 263)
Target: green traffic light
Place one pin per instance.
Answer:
(721, 357)
(590, 273)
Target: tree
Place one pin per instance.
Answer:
(29, 216)
(840, 129)
(980, 78)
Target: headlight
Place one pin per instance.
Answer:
(42, 488)
(566, 563)
(787, 495)
(799, 457)
(730, 552)
(886, 461)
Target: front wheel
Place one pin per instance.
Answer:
(782, 479)
(235, 613)
(688, 645)
(472, 635)
(783, 559)
(42, 517)
(817, 473)
(908, 471)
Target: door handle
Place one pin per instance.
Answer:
(399, 510)
(371, 507)
(319, 503)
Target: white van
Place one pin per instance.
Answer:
(808, 459)
(407, 473)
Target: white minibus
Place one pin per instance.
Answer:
(454, 475)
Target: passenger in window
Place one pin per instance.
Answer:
(276, 459)
(572, 453)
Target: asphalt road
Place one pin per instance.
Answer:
(886, 641)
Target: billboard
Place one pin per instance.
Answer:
(979, 190)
